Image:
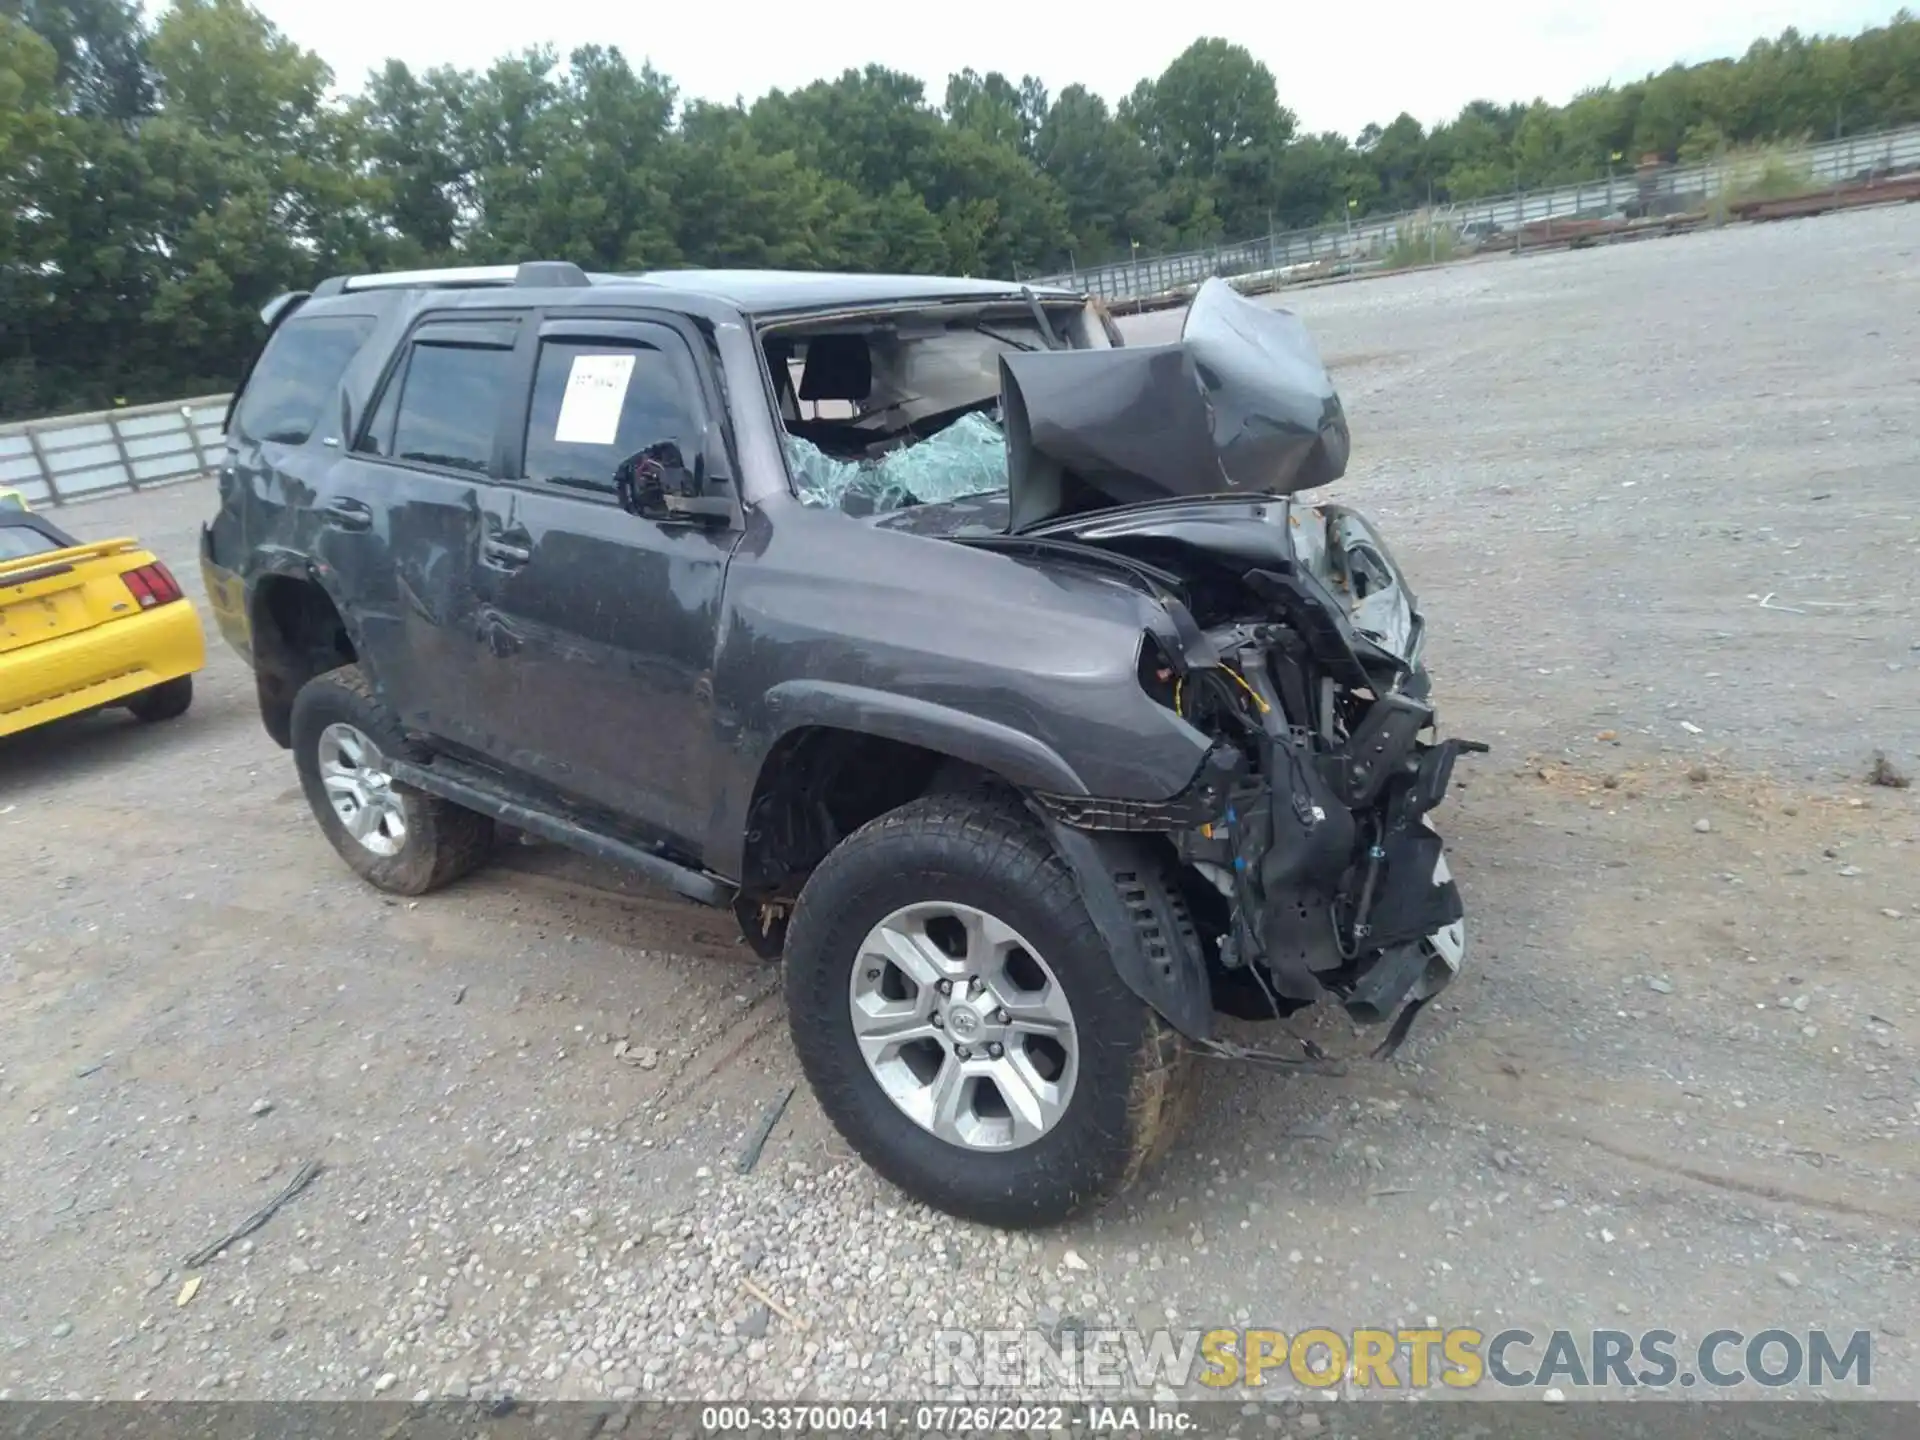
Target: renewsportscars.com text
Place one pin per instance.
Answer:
(1459, 1358)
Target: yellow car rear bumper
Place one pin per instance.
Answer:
(99, 666)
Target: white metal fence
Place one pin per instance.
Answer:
(72, 457)
(1663, 191)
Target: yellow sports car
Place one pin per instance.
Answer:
(84, 626)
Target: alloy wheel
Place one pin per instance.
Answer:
(354, 775)
(964, 1026)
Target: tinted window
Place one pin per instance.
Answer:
(17, 542)
(296, 375)
(448, 404)
(595, 403)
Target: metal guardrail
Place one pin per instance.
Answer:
(1663, 190)
(72, 457)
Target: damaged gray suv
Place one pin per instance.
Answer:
(983, 665)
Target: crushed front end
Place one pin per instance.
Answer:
(1303, 853)
(1302, 859)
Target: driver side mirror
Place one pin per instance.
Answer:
(656, 484)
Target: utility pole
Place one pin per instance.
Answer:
(1519, 213)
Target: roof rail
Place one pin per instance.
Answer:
(550, 275)
(541, 274)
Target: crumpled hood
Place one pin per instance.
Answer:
(1241, 402)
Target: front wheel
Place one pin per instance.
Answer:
(962, 1025)
(396, 838)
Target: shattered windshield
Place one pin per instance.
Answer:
(968, 457)
(896, 411)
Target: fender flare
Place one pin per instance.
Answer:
(1012, 754)
(292, 565)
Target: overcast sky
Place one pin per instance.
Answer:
(1338, 66)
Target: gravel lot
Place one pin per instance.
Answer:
(1661, 502)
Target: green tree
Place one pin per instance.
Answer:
(1107, 177)
(569, 163)
(1316, 175)
(871, 128)
(900, 233)
(164, 172)
(1402, 162)
(243, 177)
(1214, 121)
(32, 151)
(411, 131)
(993, 106)
(1002, 216)
(734, 204)
(100, 48)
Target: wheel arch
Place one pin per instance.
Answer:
(817, 785)
(819, 782)
(842, 755)
(299, 630)
(901, 742)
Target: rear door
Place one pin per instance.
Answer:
(279, 411)
(399, 518)
(605, 623)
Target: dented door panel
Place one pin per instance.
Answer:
(598, 655)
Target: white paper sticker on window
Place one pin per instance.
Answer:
(596, 390)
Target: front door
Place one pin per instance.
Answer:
(602, 623)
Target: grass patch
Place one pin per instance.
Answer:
(1761, 172)
(1420, 240)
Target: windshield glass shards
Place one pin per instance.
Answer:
(969, 457)
(893, 410)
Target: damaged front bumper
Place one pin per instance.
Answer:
(1302, 859)
(1253, 898)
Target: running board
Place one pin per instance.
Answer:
(694, 884)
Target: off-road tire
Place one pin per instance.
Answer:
(166, 701)
(443, 841)
(1135, 1075)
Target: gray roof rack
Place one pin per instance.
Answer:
(539, 274)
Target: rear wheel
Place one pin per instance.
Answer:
(958, 1017)
(398, 839)
(166, 701)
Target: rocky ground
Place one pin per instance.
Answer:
(1659, 500)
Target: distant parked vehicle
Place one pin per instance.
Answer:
(84, 626)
